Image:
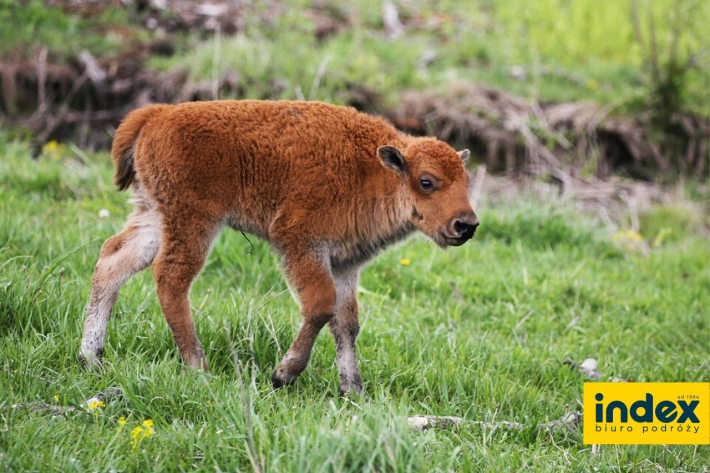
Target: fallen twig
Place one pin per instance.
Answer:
(568, 422)
(103, 396)
(43, 406)
(589, 368)
(65, 410)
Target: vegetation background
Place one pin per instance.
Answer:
(589, 126)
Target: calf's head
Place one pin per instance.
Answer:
(437, 188)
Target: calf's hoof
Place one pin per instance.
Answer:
(350, 387)
(282, 378)
(90, 359)
(197, 361)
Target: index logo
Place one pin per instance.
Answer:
(647, 413)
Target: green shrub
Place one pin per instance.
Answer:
(669, 223)
(540, 226)
(34, 24)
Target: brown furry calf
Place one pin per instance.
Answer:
(327, 186)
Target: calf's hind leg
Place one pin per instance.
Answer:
(122, 256)
(316, 294)
(182, 254)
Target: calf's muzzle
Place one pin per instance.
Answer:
(461, 228)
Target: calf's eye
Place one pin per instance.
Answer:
(426, 184)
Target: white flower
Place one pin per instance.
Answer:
(103, 213)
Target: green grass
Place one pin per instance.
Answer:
(562, 51)
(532, 270)
(284, 63)
(549, 50)
(36, 25)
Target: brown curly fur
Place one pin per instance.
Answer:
(327, 186)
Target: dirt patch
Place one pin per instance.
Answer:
(613, 202)
(512, 135)
(83, 97)
(86, 99)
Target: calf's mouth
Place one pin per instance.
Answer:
(458, 240)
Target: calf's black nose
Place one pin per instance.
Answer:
(466, 227)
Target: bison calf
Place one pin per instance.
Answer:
(327, 186)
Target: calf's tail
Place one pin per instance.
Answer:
(124, 143)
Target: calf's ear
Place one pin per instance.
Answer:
(392, 158)
(464, 154)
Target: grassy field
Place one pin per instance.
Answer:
(548, 50)
(539, 284)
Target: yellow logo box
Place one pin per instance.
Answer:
(647, 413)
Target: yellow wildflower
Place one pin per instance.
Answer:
(630, 240)
(593, 85)
(148, 431)
(56, 398)
(121, 421)
(632, 235)
(141, 432)
(95, 404)
(136, 437)
(628, 235)
(405, 262)
(50, 147)
(53, 148)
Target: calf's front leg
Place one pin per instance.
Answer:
(311, 278)
(345, 328)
